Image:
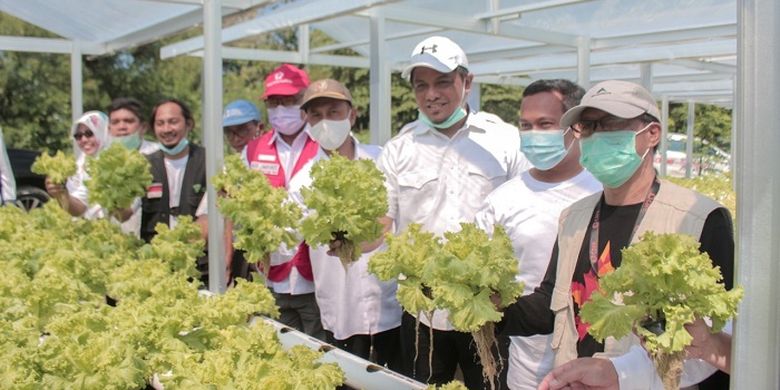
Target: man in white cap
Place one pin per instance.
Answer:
(618, 128)
(439, 169)
(360, 313)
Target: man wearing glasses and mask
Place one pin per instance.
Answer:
(618, 128)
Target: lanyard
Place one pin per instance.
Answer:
(594, 228)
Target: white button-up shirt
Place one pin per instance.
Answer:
(288, 154)
(439, 182)
(352, 301)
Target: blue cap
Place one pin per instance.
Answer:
(239, 112)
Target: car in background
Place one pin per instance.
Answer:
(707, 158)
(30, 187)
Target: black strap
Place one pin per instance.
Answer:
(596, 225)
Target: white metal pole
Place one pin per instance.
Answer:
(646, 75)
(734, 119)
(664, 132)
(379, 84)
(474, 99)
(583, 62)
(755, 359)
(303, 42)
(212, 136)
(689, 139)
(76, 82)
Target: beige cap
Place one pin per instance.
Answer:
(328, 88)
(438, 53)
(622, 99)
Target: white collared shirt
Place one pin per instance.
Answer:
(295, 284)
(288, 154)
(352, 301)
(528, 210)
(439, 182)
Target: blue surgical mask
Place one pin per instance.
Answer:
(611, 156)
(544, 148)
(130, 141)
(176, 149)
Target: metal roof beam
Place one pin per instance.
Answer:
(705, 65)
(607, 57)
(48, 45)
(235, 53)
(360, 42)
(676, 35)
(428, 17)
(290, 16)
(237, 4)
(527, 8)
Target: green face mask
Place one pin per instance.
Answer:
(456, 116)
(130, 141)
(611, 156)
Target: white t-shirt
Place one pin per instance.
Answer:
(528, 210)
(174, 170)
(352, 301)
(439, 182)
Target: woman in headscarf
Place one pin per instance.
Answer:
(90, 136)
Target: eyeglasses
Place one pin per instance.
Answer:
(586, 128)
(80, 135)
(278, 100)
(242, 131)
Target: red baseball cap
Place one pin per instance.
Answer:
(286, 80)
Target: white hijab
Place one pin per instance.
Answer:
(98, 123)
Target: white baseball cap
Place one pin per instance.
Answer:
(622, 99)
(438, 53)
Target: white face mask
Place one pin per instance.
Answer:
(286, 119)
(331, 134)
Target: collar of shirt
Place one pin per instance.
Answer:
(471, 124)
(276, 136)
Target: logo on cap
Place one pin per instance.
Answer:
(602, 91)
(279, 75)
(321, 86)
(431, 48)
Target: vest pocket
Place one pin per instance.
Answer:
(559, 305)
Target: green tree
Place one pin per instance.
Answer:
(712, 123)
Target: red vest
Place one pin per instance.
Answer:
(262, 156)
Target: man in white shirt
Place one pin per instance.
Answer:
(359, 312)
(438, 170)
(280, 154)
(7, 180)
(528, 207)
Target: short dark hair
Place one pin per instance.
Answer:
(185, 110)
(571, 92)
(126, 103)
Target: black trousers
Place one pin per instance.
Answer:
(386, 347)
(450, 350)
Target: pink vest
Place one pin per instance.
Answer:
(262, 156)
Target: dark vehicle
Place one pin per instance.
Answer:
(30, 187)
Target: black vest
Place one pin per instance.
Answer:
(193, 187)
